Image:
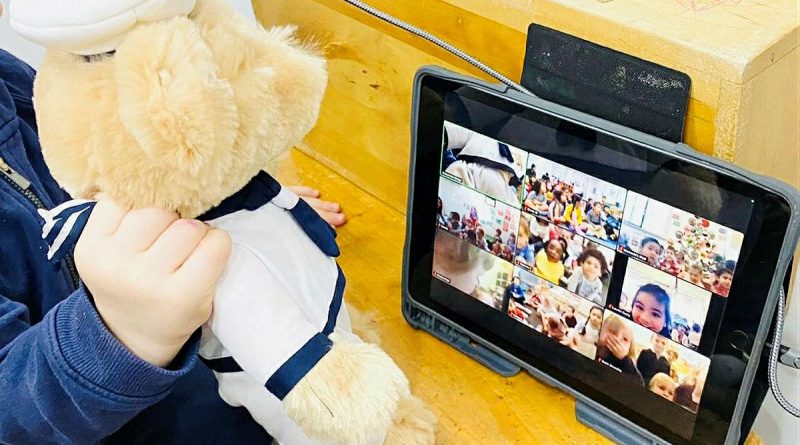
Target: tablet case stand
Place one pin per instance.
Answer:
(666, 116)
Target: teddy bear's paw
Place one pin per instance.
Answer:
(364, 324)
(414, 424)
(350, 396)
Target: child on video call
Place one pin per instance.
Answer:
(585, 280)
(695, 276)
(558, 207)
(616, 347)
(653, 361)
(670, 262)
(651, 249)
(569, 317)
(722, 284)
(663, 385)
(549, 263)
(590, 331)
(651, 309)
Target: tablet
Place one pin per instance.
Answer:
(617, 264)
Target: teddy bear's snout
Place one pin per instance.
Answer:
(98, 57)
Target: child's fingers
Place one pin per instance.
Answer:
(305, 192)
(140, 228)
(105, 219)
(208, 260)
(320, 205)
(334, 219)
(176, 244)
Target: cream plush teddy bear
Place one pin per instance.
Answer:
(189, 102)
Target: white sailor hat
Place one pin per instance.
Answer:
(88, 27)
(491, 153)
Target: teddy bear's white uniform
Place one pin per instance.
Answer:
(274, 264)
(277, 303)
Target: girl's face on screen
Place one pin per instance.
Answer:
(649, 312)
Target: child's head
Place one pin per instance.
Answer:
(670, 252)
(555, 250)
(593, 264)
(724, 277)
(683, 396)
(454, 216)
(659, 344)
(680, 257)
(671, 355)
(516, 280)
(556, 328)
(570, 309)
(471, 235)
(577, 199)
(651, 249)
(651, 309)
(696, 274)
(596, 317)
(598, 207)
(497, 248)
(615, 331)
(663, 385)
(480, 232)
(439, 205)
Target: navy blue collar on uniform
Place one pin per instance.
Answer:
(258, 192)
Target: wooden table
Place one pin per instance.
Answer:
(474, 405)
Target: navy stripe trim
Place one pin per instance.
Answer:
(256, 193)
(221, 365)
(286, 377)
(320, 232)
(336, 303)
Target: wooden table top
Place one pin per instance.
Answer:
(474, 405)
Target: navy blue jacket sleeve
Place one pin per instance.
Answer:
(67, 379)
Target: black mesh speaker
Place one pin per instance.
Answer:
(597, 80)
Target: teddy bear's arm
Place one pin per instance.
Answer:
(338, 389)
(257, 321)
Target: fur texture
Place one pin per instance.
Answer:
(413, 424)
(351, 396)
(364, 324)
(183, 115)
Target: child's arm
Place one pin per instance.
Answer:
(68, 380)
(95, 362)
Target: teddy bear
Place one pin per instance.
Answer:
(189, 103)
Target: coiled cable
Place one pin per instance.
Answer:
(772, 371)
(438, 42)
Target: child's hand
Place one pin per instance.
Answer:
(615, 347)
(331, 212)
(152, 276)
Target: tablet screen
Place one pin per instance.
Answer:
(614, 275)
(607, 264)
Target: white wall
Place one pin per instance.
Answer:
(33, 54)
(774, 425)
(15, 44)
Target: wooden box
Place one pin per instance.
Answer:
(742, 56)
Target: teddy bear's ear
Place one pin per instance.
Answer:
(172, 101)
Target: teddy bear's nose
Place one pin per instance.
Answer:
(99, 57)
